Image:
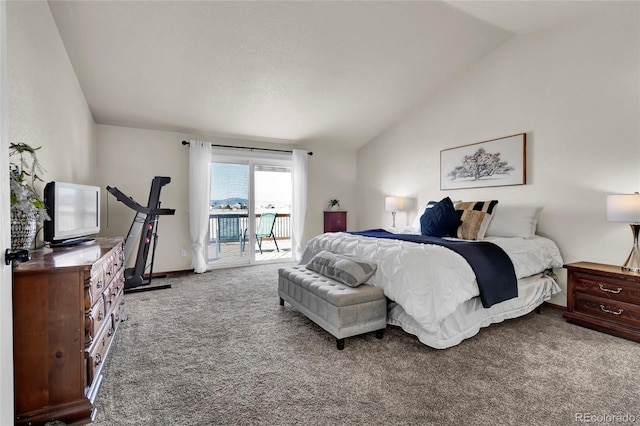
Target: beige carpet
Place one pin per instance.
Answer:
(217, 349)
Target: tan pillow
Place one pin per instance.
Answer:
(475, 217)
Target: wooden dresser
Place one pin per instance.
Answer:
(335, 221)
(67, 304)
(605, 298)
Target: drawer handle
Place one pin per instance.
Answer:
(608, 290)
(100, 315)
(99, 284)
(110, 331)
(618, 312)
(98, 359)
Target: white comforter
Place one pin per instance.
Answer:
(430, 281)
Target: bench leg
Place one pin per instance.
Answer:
(340, 344)
(379, 334)
(281, 301)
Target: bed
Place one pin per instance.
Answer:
(433, 290)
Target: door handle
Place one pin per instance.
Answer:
(18, 256)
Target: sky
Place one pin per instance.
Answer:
(229, 181)
(232, 180)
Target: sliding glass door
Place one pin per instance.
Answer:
(250, 207)
(228, 213)
(272, 212)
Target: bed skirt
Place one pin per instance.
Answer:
(470, 317)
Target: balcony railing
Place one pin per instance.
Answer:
(281, 228)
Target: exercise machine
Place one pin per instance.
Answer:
(143, 231)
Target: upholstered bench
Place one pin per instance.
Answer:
(341, 310)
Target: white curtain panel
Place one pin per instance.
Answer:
(299, 208)
(199, 164)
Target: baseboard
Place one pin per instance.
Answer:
(170, 273)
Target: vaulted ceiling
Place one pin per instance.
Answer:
(330, 71)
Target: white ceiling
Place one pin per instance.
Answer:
(330, 71)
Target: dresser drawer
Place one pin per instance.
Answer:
(117, 285)
(609, 288)
(119, 313)
(118, 259)
(608, 309)
(111, 292)
(96, 355)
(112, 265)
(97, 284)
(96, 319)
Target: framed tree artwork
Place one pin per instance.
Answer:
(496, 162)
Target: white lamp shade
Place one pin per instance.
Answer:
(394, 204)
(623, 208)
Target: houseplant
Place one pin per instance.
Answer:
(334, 204)
(27, 207)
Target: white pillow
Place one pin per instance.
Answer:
(416, 221)
(514, 221)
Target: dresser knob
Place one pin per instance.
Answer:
(98, 359)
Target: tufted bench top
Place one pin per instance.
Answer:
(330, 290)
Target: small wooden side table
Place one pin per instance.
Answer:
(604, 298)
(335, 221)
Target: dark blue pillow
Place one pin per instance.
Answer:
(440, 220)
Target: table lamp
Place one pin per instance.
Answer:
(626, 208)
(393, 205)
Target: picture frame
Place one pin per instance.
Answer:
(496, 162)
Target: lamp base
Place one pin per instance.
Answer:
(633, 261)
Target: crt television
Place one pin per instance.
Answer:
(74, 210)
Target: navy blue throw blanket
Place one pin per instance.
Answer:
(494, 270)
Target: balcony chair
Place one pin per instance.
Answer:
(265, 229)
(229, 231)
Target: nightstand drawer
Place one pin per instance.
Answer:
(608, 309)
(607, 287)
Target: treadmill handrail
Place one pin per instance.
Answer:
(132, 204)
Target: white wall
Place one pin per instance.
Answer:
(47, 108)
(574, 90)
(129, 159)
(46, 105)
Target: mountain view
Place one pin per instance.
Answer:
(231, 201)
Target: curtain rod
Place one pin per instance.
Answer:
(247, 147)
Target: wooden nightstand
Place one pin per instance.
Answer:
(605, 298)
(335, 221)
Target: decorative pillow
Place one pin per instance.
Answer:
(416, 220)
(476, 217)
(514, 221)
(348, 270)
(439, 219)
